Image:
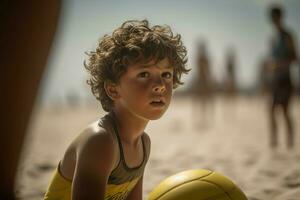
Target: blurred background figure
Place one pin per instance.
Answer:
(203, 87)
(229, 84)
(27, 31)
(230, 73)
(283, 54)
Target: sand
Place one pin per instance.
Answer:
(234, 143)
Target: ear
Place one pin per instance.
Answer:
(111, 90)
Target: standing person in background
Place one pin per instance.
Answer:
(203, 85)
(283, 53)
(229, 87)
(230, 79)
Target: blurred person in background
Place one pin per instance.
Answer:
(283, 54)
(203, 90)
(229, 87)
(230, 76)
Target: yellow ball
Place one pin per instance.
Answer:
(197, 185)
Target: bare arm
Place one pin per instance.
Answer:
(94, 163)
(137, 192)
(292, 49)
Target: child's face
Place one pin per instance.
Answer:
(146, 89)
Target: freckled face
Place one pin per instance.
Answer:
(146, 89)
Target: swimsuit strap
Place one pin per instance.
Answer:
(114, 121)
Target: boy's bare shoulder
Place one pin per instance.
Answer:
(96, 137)
(96, 146)
(95, 159)
(93, 145)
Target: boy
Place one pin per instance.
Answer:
(283, 54)
(133, 72)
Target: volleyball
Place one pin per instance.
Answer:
(197, 185)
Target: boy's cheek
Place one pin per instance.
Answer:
(170, 88)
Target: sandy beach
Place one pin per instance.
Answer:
(234, 143)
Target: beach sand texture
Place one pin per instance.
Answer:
(234, 143)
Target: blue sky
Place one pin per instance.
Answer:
(238, 24)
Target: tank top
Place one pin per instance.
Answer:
(280, 52)
(280, 49)
(121, 180)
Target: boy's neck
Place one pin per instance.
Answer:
(130, 126)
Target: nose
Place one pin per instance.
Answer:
(159, 86)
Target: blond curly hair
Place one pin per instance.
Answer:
(134, 41)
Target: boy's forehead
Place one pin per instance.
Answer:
(164, 63)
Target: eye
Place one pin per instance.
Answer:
(167, 75)
(144, 74)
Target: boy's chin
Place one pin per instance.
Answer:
(155, 115)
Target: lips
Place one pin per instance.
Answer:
(158, 102)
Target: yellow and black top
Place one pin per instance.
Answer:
(120, 182)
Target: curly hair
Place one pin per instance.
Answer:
(135, 41)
